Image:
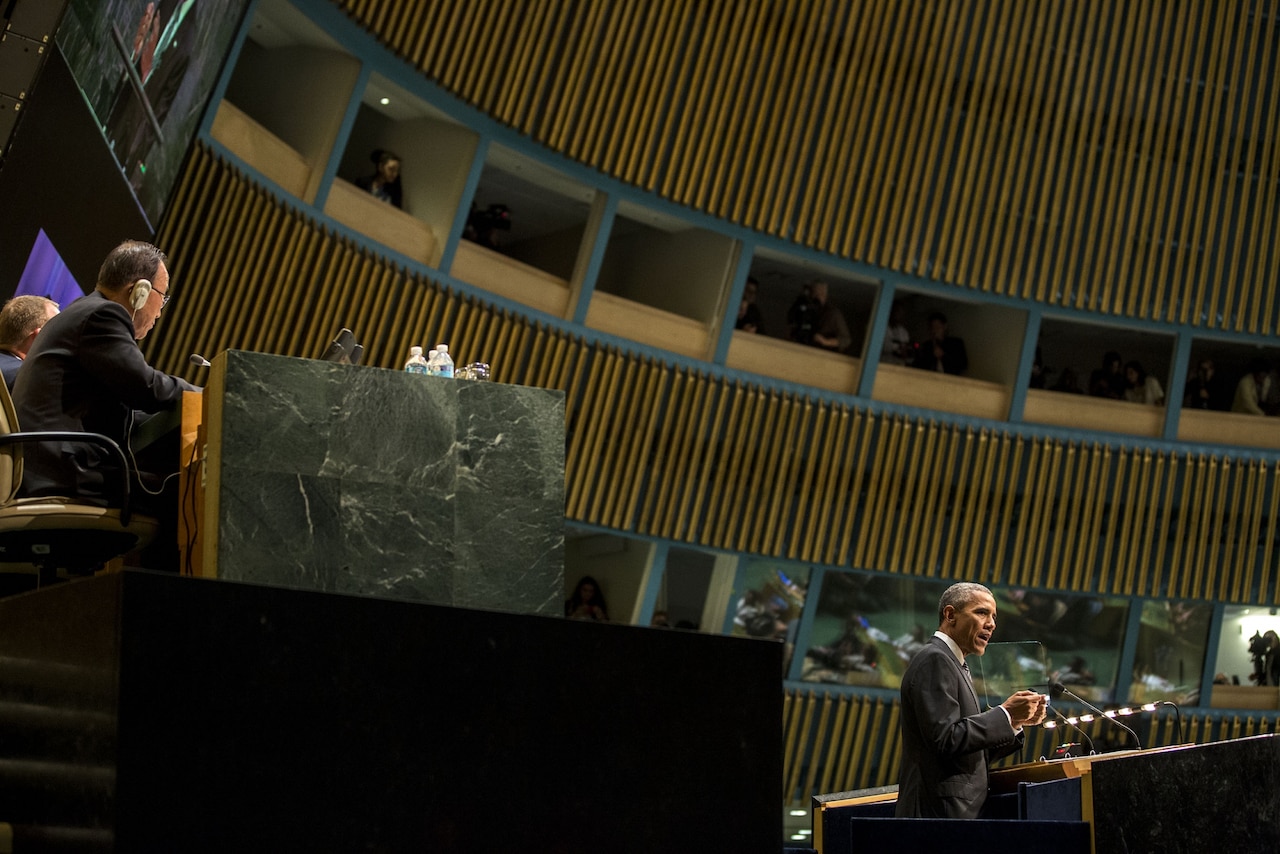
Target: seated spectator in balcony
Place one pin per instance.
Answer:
(1067, 382)
(1109, 380)
(1253, 388)
(830, 330)
(942, 352)
(1142, 387)
(486, 226)
(384, 183)
(802, 317)
(20, 320)
(587, 602)
(897, 340)
(1077, 672)
(748, 312)
(1207, 389)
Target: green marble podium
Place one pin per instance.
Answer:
(367, 481)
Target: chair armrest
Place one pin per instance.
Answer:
(105, 442)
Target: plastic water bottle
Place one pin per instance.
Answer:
(416, 364)
(441, 364)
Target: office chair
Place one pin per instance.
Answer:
(52, 537)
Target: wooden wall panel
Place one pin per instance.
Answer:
(1114, 157)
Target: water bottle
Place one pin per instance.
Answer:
(442, 363)
(416, 364)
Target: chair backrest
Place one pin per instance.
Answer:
(10, 455)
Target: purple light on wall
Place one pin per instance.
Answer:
(47, 275)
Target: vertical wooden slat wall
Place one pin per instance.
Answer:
(1113, 157)
(689, 455)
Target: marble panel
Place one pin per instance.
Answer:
(1222, 796)
(368, 481)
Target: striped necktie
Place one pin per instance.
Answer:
(968, 677)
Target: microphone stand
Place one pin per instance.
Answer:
(1068, 722)
(1057, 689)
(1177, 716)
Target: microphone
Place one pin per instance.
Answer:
(1068, 722)
(198, 360)
(1057, 689)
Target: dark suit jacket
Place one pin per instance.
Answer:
(85, 373)
(955, 358)
(947, 740)
(9, 365)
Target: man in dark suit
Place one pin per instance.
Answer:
(86, 373)
(21, 320)
(943, 351)
(947, 740)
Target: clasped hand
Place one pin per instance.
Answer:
(1026, 708)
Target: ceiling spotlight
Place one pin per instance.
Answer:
(799, 812)
(385, 101)
(1125, 711)
(1148, 707)
(1084, 719)
(1110, 713)
(1050, 724)
(1073, 720)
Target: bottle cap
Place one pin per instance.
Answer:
(442, 348)
(415, 350)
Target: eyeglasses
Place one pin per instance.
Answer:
(164, 296)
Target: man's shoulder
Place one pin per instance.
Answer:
(90, 305)
(929, 656)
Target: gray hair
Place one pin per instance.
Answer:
(960, 594)
(128, 262)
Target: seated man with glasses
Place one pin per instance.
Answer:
(86, 373)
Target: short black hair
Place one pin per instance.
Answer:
(958, 595)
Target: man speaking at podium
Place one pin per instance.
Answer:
(947, 740)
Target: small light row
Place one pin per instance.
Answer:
(800, 835)
(1109, 713)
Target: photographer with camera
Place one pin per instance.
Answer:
(1265, 651)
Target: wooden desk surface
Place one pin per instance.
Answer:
(191, 443)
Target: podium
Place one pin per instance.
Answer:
(156, 713)
(361, 480)
(1223, 795)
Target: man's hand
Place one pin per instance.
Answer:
(1026, 708)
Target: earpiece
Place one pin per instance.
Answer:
(138, 296)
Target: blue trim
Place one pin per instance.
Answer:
(804, 633)
(746, 252)
(463, 213)
(1177, 382)
(348, 122)
(205, 129)
(649, 595)
(1211, 653)
(1030, 343)
(599, 245)
(885, 296)
(1129, 651)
